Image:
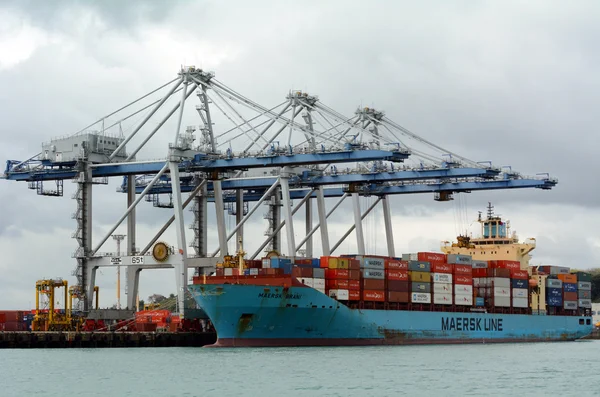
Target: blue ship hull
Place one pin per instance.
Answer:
(254, 315)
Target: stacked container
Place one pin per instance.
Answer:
(520, 288)
(398, 287)
(554, 292)
(337, 276)
(569, 287)
(584, 287)
(441, 277)
(480, 281)
(463, 279)
(373, 278)
(419, 274)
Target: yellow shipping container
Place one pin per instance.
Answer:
(421, 277)
(333, 262)
(343, 263)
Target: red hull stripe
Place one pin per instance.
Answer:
(291, 342)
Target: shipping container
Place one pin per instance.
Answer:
(319, 283)
(517, 283)
(585, 303)
(502, 273)
(343, 263)
(553, 283)
(463, 270)
(318, 273)
(519, 274)
(459, 259)
(336, 274)
(520, 293)
(397, 265)
(584, 285)
(431, 257)
(442, 288)
(520, 302)
(354, 295)
(572, 296)
(505, 264)
(570, 305)
(463, 289)
(442, 299)
(398, 297)
(339, 294)
(420, 297)
(556, 292)
(441, 268)
(463, 280)
(583, 276)
(420, 287)
(329, 262)
(337, 284)
(479, 264)
(315, 262)
(299, 271)
(307, 281)
(354, 274)
(373, 273)
(397, 275)
(479, 301)
(568, 287)
(373, 296)
(419, 266)
(354, 284)
(463, 300)
(372, 263)
(353, 264)
(373, 284)
(501, 292)
(441, 278)
(501, 301)
(581, 294)
(567, 278)
(481, 273)
(422, 277)
(555, 301)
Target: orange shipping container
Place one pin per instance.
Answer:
(373, 284)
(337, 284)
(330, 262)
(431, 257)
(373, 296)
(570, 296)
(400, 297)
(354, 295)
(463, 269)
(354, 274)
(336, 273)
(353, 264)
(354, 284)
(568, 278)
(401, 275)
(441, 268)
(396, 265)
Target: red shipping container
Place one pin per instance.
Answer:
(570, 296)
(502, 273)
(511, 265)
(520, 274)
(397, 275)
(337, 284)
(441, 268)
(463, 269)
(354, 264)
(463, 280)
(336, 273)
(431, 257)
(2, 318)
(305, 272)
(354, 274)
(398, 286)
(354, 295)
(397, 265)
(373, 296)
(303, 261)
(479, 273)
(372, 284)
(400, 297)
(354, 284)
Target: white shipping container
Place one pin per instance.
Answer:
(500, 282)
(520, 302)
(570, 305)
(441, 278)
(501, 292)
(479, 264)
(520, 293)
(463, 300)
(483, 292)
(339, 294)
(442, 299)
(309, 282)
(502, 301)
(484, 282)
(476, 282)
(463, 289)
(254, 272)
(410, 257)
(586, 285)
(319, 283)
(553, 283)
(228, 271)
(266, 263)
(420, 297)
(585, 303)
(459, 259)
(559, 270)
(442, 288)
(372, 263)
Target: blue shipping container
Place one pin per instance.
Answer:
(518, 283)
(316, 262)
(479, 301)
(419, 266)
(570, 287)
(555, 301)
(287, 268)
(554, 292)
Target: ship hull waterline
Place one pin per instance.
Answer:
(268, 316)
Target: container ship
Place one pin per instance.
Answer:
(479, 290)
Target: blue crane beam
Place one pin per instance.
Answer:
(307, 180)
(201, 163)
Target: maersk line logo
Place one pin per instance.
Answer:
(279, 296)
(471, 324)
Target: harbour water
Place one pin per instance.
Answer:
(563, 368)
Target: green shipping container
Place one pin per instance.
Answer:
(421, 277)
(583, 276)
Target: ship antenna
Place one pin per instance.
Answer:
(490, 210)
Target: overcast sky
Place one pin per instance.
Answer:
(515, 83)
